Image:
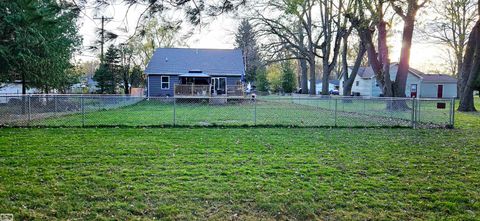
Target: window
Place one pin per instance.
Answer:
(413, 88)
(357, 83)
(165, 82)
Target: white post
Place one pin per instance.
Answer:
(29, 110)
(336, 112)
(83, 110)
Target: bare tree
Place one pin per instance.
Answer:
(349, 78)
(378, 55)
(451, 27)
(407, 10)
(470, 71)
(292, 31)
(312, 35)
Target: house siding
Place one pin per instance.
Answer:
(429, 90)
(231, 81)
(364, 86)
(155, 86)
(368, 86)
(155, 89)
(411, 79)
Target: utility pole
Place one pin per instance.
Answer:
(102, 31)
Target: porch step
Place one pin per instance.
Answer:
(218, 100)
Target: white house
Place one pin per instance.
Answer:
(419, 84)
(332, 85)
(13, 89)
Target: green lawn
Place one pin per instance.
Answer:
(242, 173)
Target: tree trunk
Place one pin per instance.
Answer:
(404, 64)
(304, 76)
(126, 89)
(384, 59)
(470, 70)
(349, 79)
(325, 78)
(313, 89)
(24, 84)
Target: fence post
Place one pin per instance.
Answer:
(452, 113)
(417, 115)
(255, 111)
(82, 103)
(336, 102)
(413, 113)
(174, 111)
(55, 103)
(29, 109)
(364, 106)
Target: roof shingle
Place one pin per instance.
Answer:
(209, 61)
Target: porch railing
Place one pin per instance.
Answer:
(235, 90)
(192, 90)
(204, 90)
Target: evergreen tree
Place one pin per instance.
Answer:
(37, 40)
(246, 40)
(262, 83)
(288, 77)
(108, 74)
(136, 77)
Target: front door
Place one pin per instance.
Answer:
(413, 90)
(440, 91)
(219, 85)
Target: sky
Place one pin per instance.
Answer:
(218, 33)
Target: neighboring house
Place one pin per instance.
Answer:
(13, 89)
(86, 85)
(195, 72)
(419, 84)
(332, 85)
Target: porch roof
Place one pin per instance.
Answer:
(197, 75)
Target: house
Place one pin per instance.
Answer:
(195, 73)
(332, 85)
(13, 89)
(16, 88)
(419, 84)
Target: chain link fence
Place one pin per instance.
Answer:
(296, 111)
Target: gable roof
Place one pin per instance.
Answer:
(208, 61)
(367, 72)
(438, 78)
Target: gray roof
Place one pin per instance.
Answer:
(365, 72)
(442, 78)
(209, 61)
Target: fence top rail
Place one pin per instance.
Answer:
(266, 98)
(66, 95)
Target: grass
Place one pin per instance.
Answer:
(242, 173)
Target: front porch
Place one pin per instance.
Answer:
(206, 86)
